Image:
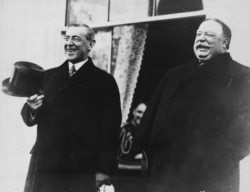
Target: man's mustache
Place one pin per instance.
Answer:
(202, 46)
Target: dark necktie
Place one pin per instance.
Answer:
(72, 71)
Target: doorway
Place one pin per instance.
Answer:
(168, 44)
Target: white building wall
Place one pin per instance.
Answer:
(236, 15)
(29, 31)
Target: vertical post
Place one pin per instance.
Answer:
(67, 13)
(109, 10)
(154, 7)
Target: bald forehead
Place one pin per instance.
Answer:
(141, 107)
(211, 26)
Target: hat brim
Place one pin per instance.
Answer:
(26, 80)
(9, 90)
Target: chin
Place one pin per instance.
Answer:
(203, 57)
(71, 59)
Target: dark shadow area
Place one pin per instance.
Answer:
(178, 6)
(168, 44)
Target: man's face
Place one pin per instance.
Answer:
(138, 113)
(76, 46)
(210, 41)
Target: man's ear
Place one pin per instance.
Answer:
(225, 44)
(91, 44)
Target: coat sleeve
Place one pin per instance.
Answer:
(28, 118)
(144, 132)
(239, 130)
(155, 114)
(110, 126)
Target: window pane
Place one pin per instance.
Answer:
(87, 11)
(121, 10)
(177, 6)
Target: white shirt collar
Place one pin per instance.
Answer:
(77, 65)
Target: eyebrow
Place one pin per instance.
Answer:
(205, 31)
(72, 36)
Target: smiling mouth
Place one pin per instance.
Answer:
(70, 50)
(202, 47)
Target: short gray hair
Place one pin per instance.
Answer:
(90, 35)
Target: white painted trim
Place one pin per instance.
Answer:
(149, 19)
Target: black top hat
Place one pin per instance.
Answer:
(26, 80)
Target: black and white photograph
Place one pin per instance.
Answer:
(124, 96)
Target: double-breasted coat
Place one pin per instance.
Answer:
(77, 130)
(196, 128)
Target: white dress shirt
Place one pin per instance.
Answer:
(77, 65)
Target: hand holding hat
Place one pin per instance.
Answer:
(35, 102)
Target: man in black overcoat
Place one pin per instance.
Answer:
(196, 128)
(78, 116)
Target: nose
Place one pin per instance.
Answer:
(139, 115)
(69, 41)
(201, 37)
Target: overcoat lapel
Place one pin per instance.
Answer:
(170, 87)
(83, 74)
(56, 80)
(80, 76)
(191, 70)
(159, 105)
(163, 100)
